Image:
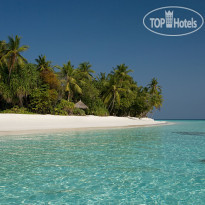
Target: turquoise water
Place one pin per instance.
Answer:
(153, 165)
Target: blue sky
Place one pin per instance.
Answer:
(111, 32)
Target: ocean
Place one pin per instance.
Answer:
(148, 165)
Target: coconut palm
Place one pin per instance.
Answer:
(85, 71)
(102, 82)
(154, 87)
(70, 80)
(102, 76)
(121, 72)
(13, 53)
(120, 85)
(3, 50)
(155, 91)
(42, 63)
(112, 95)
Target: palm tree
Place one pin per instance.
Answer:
(3, 49)
(102, 76)
(120, 84)
(121, 71)
(43, 64)
(112, 96)
(155, 91)
(85, 71)
(154, 87)
(13, 53)
(69, 77)
(102, 82)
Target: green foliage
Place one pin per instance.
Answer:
(78, 111)
(91, 97)
(64, 108)
(12, 53)
(53, 96)
(70, 80)
(155, 93)
(22, 81)
(99, 111)
(40, 89)
(43, 64)
(119, 84)
(17, 110)
(84, 71)
(40, 100)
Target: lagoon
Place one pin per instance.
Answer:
(149, 165)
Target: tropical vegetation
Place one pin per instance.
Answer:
(43, 88)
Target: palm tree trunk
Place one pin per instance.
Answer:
(21, 101)
(11, 65)
(113, 102)
(68, 96)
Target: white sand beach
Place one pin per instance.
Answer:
(15, 123)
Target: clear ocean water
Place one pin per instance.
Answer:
(150, 165)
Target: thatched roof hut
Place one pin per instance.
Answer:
(81, 105)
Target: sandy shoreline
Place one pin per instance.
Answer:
(11, 124)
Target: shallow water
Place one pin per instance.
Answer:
(150, 165)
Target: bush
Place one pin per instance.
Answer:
(64, 108)
(59, 111)
(91, 97)
(53, 96)
(99, 111)
(40, 100)
(17, 110)
(78, 111)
